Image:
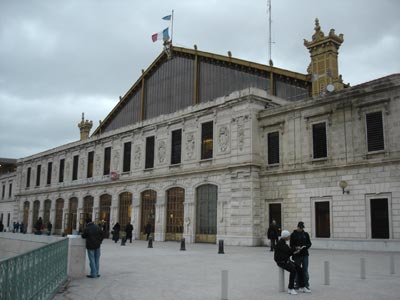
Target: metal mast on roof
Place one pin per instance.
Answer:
(270, 33)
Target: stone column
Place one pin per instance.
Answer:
(30, 217)
(189, 218)
(136, 217)
(79, 222)
(53, 215)
(114, 211)
(96, 208)
(159, 230)
(65, 211)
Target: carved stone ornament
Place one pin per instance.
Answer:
(97, 164)
(138, 154)
(223, 138)
(116, 160)
(82, 164)
(190, 145)
(240, 134)
(162, 150)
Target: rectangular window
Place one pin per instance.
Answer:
(107, 161)
(3, 193)
(207, 140)
(273, 148)
(375, 137)
(379, 218)
(322, 219)
(90, 164)
(176, 146)
(10, 190)
(49, 172)
(38, 171)
(149, 152)
(127, 157)
(319, 140)
(75, 167)
(28, 177)
(61, 174)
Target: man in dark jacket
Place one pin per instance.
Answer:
(94, 236)
(128, 230)
(273, 234)
(301, 239)
(282, 258)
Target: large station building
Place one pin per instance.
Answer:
(209, 147)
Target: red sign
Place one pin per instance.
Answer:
(114, 175)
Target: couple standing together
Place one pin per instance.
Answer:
(297, 249)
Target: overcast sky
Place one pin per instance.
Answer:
(61, 58)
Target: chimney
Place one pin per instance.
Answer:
(84, 127)
(324, 61)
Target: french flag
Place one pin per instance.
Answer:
(163, 35)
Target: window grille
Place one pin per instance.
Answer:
(375, 137)
(273, 148)
(207, 140)
(319, 140)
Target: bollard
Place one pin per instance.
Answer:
(221, 247)
(392, 271)
(281, 279)
(123, 241)
(224, 285)
(150, 243)
(326, 272)
(183, 248)
(362, 262)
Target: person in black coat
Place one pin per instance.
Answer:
(94, 237)
(273, 234)
(38, 226)
(282, 258)
(147, 230)
(128, 230)
(115, 232)
(49, 227)
(300, 239)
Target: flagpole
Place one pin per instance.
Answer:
(172, 25)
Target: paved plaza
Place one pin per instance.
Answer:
(164, 272)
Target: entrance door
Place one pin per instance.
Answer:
(206, 214)
(59, 214)
(148, 212)
(379, 218)
(275, 213)
(125, 209)
(175, 199)
(322, 219)
(104, 217)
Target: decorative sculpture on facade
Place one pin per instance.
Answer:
(162, 150)
(190, 145)
(223, 138)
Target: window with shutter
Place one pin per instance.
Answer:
(273, 148)
(207, 140)
(375, 138)
(319, 140)
(176, 146)
(107, 161)
(127, 157)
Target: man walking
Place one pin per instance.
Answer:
(128, 230)
(273, 234)
(300, 240)
(94, 236)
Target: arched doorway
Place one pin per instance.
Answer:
(87, 212)
(206, 213)
(104, 214)
(149, 199)
(59, 214)
(71, 217)
(125, 209)
(35, 215)
(174, 228)
(46, 212)
(25, 217)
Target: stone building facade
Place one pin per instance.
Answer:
(223, 167)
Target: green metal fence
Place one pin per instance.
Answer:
(36, 274)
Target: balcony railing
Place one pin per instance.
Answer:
(36, 274)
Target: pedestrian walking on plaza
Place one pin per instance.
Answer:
(301, 240)
(38, 226)
(17, 227)
(273, 234)
(115, 232)
(94, 236)
(49, 227)
(128, 230)
(22, 227)
(147, 230)
(282, 258)
(1, 226)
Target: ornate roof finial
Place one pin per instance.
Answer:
(317, 27)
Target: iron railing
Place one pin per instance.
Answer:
(34, 275)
